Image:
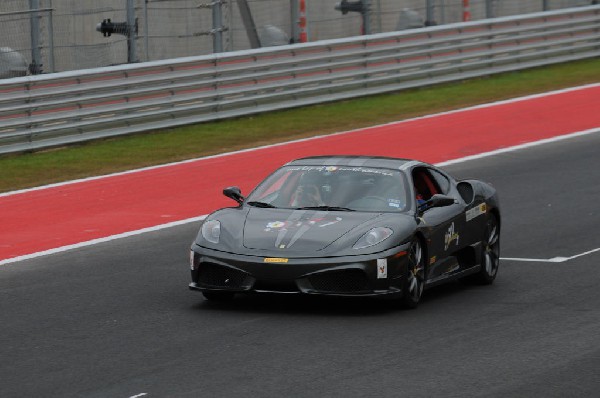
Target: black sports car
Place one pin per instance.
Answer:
(349, 226)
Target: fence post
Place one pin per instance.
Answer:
(366, 17)
(295, 20)
(379, 25)
(51, 68)
(429, 12)
(132, 32)
(303, 36)
(545, 5)
(35, 67)
(146, 44)
(217, 17)
(489, 8)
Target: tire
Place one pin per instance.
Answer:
(414, 281)
(218, 296)
(490, 252)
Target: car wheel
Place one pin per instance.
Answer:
(218, 296)
(414, 282)
(490, 252)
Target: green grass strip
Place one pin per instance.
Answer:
(160, 147)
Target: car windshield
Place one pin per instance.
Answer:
(334, 188)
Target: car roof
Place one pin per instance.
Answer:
(356, 161)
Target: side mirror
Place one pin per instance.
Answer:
(234, 193)
(436, 200)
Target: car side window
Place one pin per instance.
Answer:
(425, 185)
(441, 180)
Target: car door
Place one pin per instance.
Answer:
(443, 225)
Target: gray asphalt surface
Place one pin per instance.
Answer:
(117, 319)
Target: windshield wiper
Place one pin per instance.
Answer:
(261, 204)
(328, 208)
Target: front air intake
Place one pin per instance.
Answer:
(218, 276)
(340, 281)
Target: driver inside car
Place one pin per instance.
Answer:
(307, 194)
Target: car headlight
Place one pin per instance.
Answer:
(211, 231)
(373, 237)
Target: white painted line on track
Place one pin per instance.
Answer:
(139, 395)
(528, 260)
(480, 106)
(551, 260)
(101, 240)
(519, 147)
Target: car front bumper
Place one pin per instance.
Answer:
(365, 275)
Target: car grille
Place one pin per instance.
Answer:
(343, 281)
(215, 275)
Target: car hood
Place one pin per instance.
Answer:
(299, 230)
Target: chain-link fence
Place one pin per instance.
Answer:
(44, 36)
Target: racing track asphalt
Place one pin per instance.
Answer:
(116, 319)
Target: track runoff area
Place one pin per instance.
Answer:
(65, 216)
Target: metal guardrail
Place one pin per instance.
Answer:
(62, 108)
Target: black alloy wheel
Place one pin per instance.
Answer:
(490, 252)
(414, 282)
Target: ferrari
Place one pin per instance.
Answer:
(349, 226)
